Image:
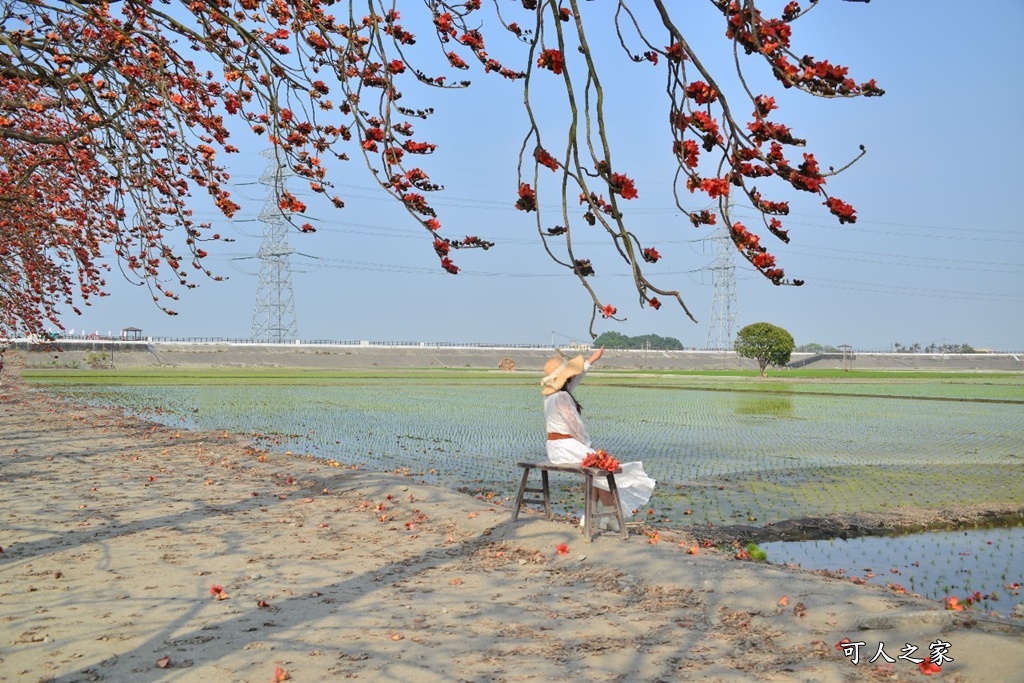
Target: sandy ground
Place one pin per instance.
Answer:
(117, 536)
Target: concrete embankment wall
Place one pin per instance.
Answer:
(355, 357)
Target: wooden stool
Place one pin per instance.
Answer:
(590, 513)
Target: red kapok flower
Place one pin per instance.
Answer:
(545, 159)
(651, 255)
(701, 92)
(623, 185)
(601, 459)
(608, 310)
(563, 549)
(928, 667)
(552, 60)
(841, 210)
(527, 198)
(715, 187)
(447, 264)
(675, 53)
(457, 61)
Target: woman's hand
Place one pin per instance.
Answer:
(596, 355)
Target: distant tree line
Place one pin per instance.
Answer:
(897, 347)
(933, 348)
(816, 348)
(617, 340)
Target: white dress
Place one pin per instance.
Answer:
(561, 416)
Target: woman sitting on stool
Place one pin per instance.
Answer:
(568, 443)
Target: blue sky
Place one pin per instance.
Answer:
(931, 259)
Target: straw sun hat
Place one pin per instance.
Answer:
(558, 371)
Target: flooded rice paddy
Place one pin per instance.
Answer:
(724, 451)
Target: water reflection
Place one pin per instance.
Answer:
(768, 406)
(934, 564)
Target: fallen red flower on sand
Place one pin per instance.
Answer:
(563, 549)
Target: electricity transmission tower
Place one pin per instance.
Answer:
(725, 313)
(273, 318)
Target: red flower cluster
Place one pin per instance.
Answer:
(290, 202)
(701, 93)
(419, 147)
(552, 60)
(675, 53)
(769, 207)
(841, 210)
(764, 105)
(651, 255)
(749, 245)
(688, 151)
(527, 198)
(699, 218)
(715, 187)
(608, 311)
(775, 225)
(602, 460)
(455, 60)
(545, 159)
(443, 22)
(623, 185)
(598, 202)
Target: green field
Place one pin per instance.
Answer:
(729, 447)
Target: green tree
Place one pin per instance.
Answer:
(765, 343)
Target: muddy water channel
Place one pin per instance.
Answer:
(724, 452)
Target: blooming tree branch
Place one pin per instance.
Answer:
(114, 114)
